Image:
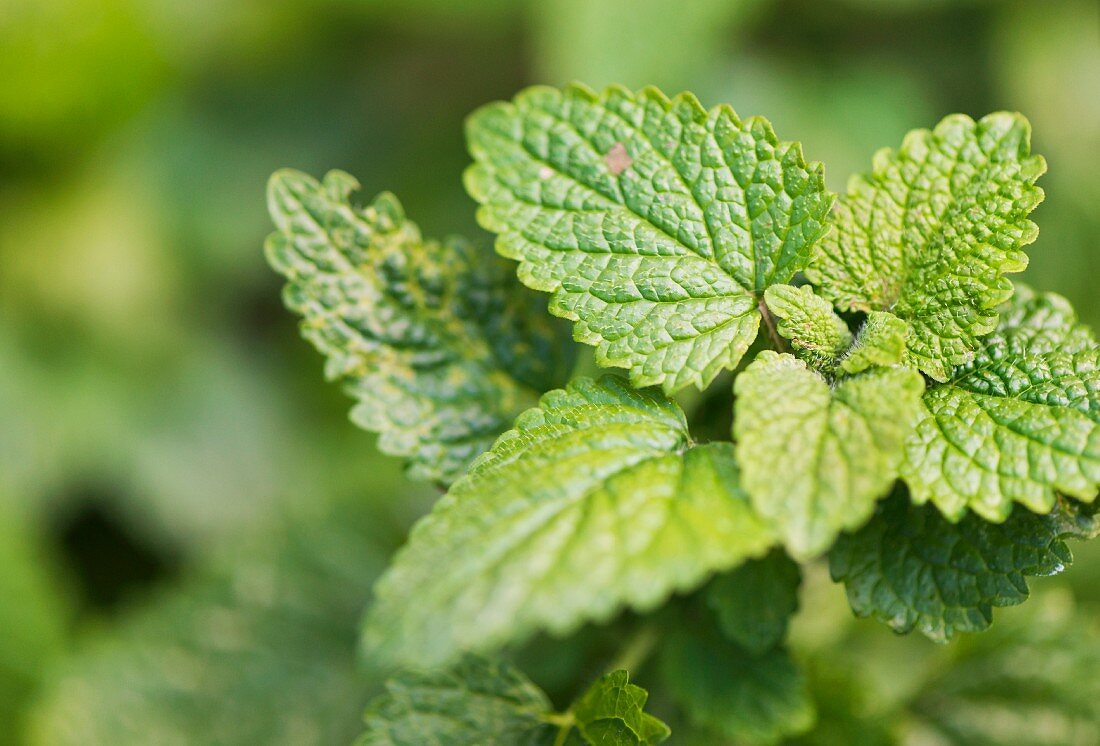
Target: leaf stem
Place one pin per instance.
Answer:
(778, 343)
(637, 649)
(630, 657)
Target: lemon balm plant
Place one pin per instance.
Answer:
(899, 407)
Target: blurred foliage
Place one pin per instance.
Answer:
(148, 373)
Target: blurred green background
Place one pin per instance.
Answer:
(189, 525)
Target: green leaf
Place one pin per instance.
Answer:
(723, 688)
(881, 341)
(611, 713)
(930, 233)
(913, 569)
(1030, 681)
(754, 602)
(1019, 423)
(441, 351)
(596, 501)
(655, 223)
(477, 701)
(813, 458)
(817, 334)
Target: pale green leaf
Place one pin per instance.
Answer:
(815, 458)
(1019, 423)
(724, 689)
(880, 341)
(754, 602)
(477, 701)
(596, 501)
(441, 350)
(913, 569)
(817, 334)
(930, 233)
(611, 713)
(655, 223)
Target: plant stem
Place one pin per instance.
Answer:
(778, 343)
(637, 649)
(631, 656)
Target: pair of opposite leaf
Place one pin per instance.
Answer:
(665, 232)
(490, 702)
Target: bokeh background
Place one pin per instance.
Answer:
(189, 525)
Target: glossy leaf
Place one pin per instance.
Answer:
(931, 232)
(440, 350)
(913, 569)
(1018, 424)
(596, 501)
(815, 458)
(655, 223)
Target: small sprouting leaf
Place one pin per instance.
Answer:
(817, 334)
(741, 696)
(1018, 424)
(611, 713)
(913, 569)
(880, 341)
(930, 233)
(477, 701)
(440, 349)
(815, 458)
(754, 602)
(655, 223)
(595, 501)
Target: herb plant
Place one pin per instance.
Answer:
(899, 407)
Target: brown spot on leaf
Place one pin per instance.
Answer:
(617, 159)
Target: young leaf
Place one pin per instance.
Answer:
(1019, 423)
(815, 459)
(595, 501)
(744, 697)
(477, 701)
(754, 602)
(881, 342)
(913, 569)
(655, 223)
(817, 334)
(930, 233)
(611, 713)
(441, 352)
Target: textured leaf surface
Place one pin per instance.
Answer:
(1030, 681)
(913, 569)
(612, 713)
(817, 334)
(754, 602)
(478, 701)
(881, 342)
(655, 223)
(441, 350)
(1019, 423)
(724, 689)
(595, 501)
(930, 233)
(814, 458)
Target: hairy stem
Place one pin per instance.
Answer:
(778, 343)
